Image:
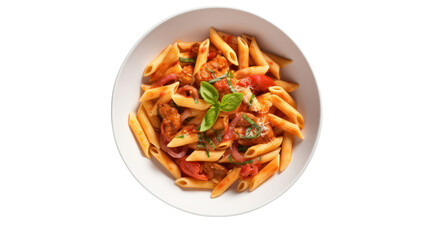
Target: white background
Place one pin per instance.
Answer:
(61, 176)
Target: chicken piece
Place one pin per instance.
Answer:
(214, 170)
(185, 77)
(170, 120)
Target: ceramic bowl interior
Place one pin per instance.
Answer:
(194, 26)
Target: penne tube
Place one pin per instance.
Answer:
(153, 66)
(256, 53)
(286, 155)
(189, 102)
(139, 134)
(203, 52)
(279, 91)
(145, 87)
(176, 69)
(154, 93)
(187, 182)
(228, 38)
(247, 96)
(166, 162)
(288, 110)
(226, 182)
(274, 67)
(266, 157)
(178, 141)
(269, 170)
(165, 98)
(285, 125)
(170, 59)
(196, 146)
(154, 119)
(287, 86)
(226, 50)
(247, 38)
(147, 127)
(262, 148)
(243, 184)
(282, 62)
(243, 53)
(225, 144)
(251, 71)
(203, 155)
(185, 46)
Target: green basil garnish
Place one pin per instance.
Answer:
(186, 60)
(248, 130)
(251, 99)
(210, 95)
(212, 72)
(208, 140)
(181, 136)
(231, 101)
(239, 163)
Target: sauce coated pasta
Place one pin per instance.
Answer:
(215, 112)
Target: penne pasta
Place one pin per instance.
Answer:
(170, 59)
(185, 46)
(145, 87)
(187, 138)
(226, 182)
(165, 98)
(205, 156)
(251, 71)
(243, 53)
(286, 155)
(153, 66)
(282, 62)
(201, 120)
(203, 52)
(288, 110)
(274, 67)
(166, 162)
(187, 182)
(266, 157)
(189, 102)
(226, 50)
(256, 53)
(262, 148)
(147, 127)
(155, 93)
(279, 91)
(269, 170)
(287, 86)
(154, 119)
(139, 134)
(285, 125)
(243, 184)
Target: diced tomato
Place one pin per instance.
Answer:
(192, 169)
(249, 170)
(203, 49)
(222, 86)
(211, 55)
(258, 82)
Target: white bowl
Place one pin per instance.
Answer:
(192, 26)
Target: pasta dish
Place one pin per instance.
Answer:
(216, 112)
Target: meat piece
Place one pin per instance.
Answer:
(214, 170)
(219, 65)
(185, 77)
(170, 120)
(262, 121)
(244, 123)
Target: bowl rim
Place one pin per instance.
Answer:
(189, 10)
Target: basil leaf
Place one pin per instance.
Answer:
(181, 136)
(218, 79)
(231, 101)
(209, 119)
(208, 140)
(209, 93)
(186, 60)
